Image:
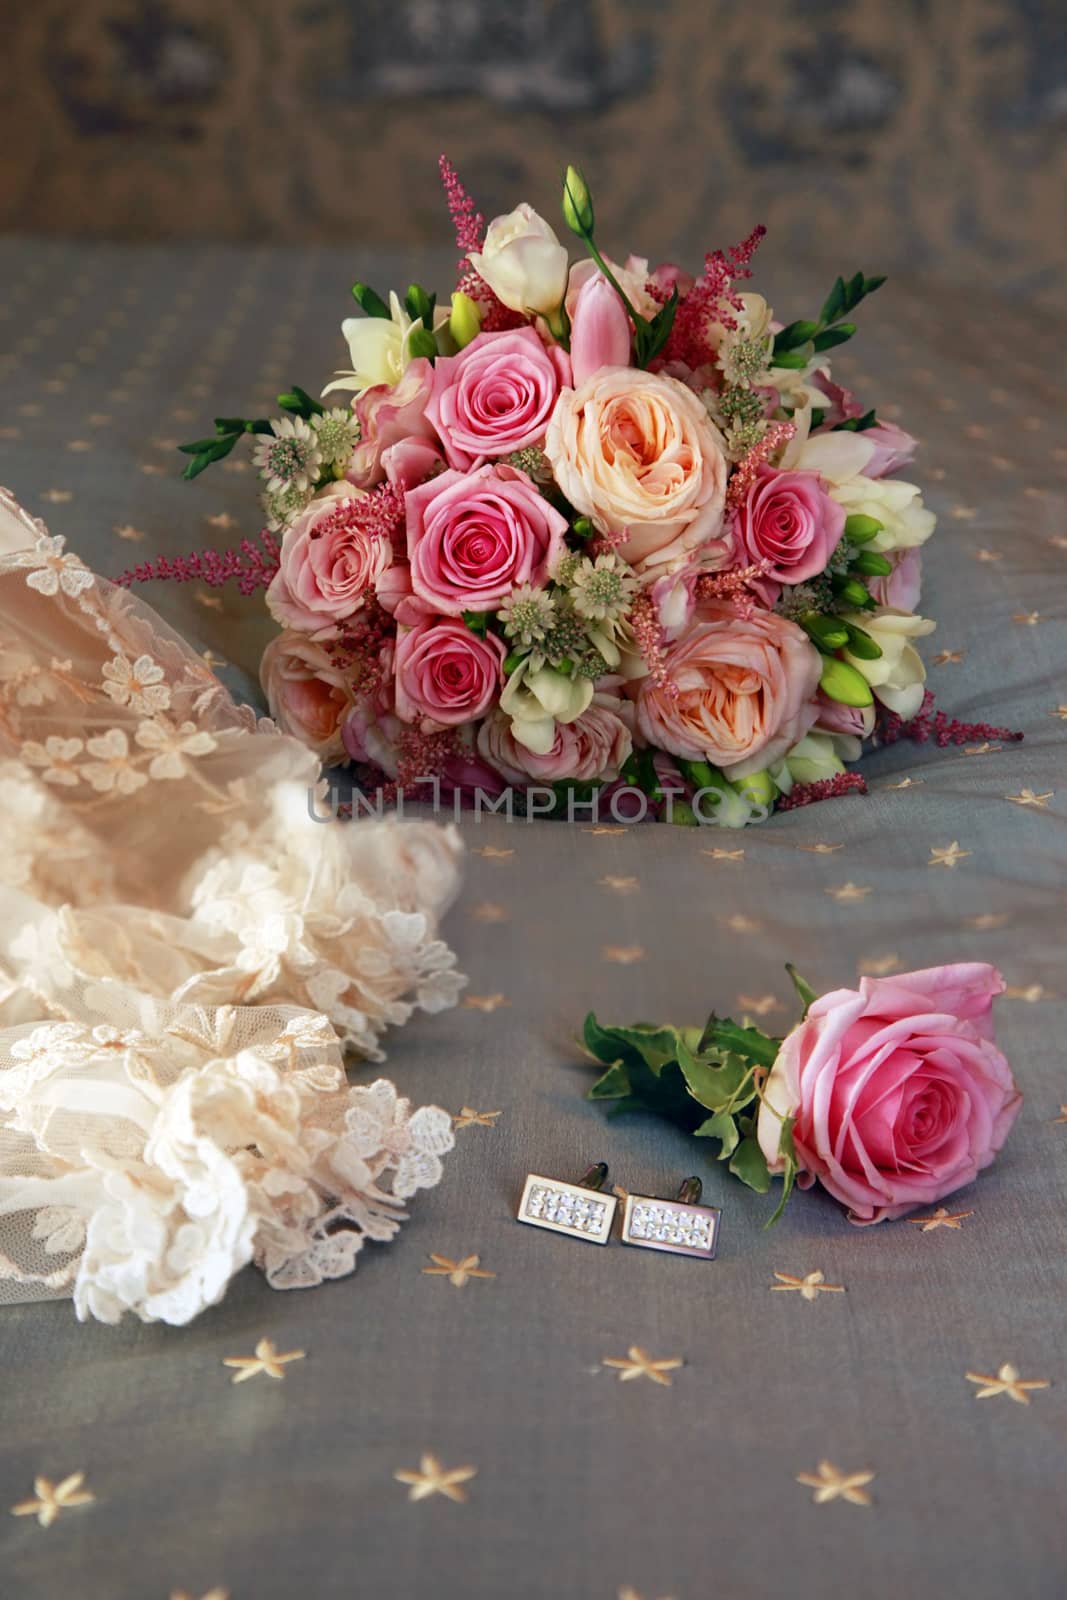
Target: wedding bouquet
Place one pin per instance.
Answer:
(590, 534)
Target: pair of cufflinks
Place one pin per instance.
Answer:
(582, 1210)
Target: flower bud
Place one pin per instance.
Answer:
(860, 529)
(465, 323)
(577, 203)
(843, 683)
(421, 342)
(600, 330)
(759, 788)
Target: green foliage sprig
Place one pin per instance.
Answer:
(228, 430)
(796, 344)
(709, 1081)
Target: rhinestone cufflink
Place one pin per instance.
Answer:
(577, 1209)
(683, 1226)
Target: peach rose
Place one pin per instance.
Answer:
(746, 688)
(637, 452)
(595, 745)
(327, 562)
(307, 694)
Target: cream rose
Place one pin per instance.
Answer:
(898, 675)
(637, 453)
(523, 262)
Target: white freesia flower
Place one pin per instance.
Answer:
(898, 675)
(536, 700)
(379, 346)
(898, 506)
(523, 262)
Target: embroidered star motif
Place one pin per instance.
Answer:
(987, 920)
(489, 911)
(58, 497)
(210, 659)
(602, 831)
(963, 513)
(433, 1478)
(820, 849)
(830, 1483)
(266, 1359)
(717, 853)
(492, 852)
(986, 749)
(1027, 797)
(878, 966)
(1027, 619)
(941, 1219)
(626, 1593)
(1007, 1381)
(78, 446)
(210, 602)
(946, 658)
(212, 1594)
(457, 1272)
(1061, 712)
(126, 530)
(759, 1004)
(52, 1498)
(1030, 991)
(624, 954)
(620, 885)
(1062, 1116)
(637, 1363)
(469, 1118)
(810, 1287)
(905, 783)
(222, 519)
(849, 891)
(485, 1002)
(947, 856)
(988, 555)
(739, 923)
(151, 469)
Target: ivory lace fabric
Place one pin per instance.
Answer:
(185, 956)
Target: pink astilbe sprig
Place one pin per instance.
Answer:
(809, 794)
(378, 513)
(466, 218)
(712, 299)
(651, 642)
(358, 649)
(248, 565)
(732, 586)
(747, 469)
(929, 724)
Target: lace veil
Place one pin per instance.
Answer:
(185, 956)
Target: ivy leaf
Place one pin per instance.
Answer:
(805, 992)
(714, 1084)
(722, 1127)
(614, 1085)
(756, 1047)
(750, 1165)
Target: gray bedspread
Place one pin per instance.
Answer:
(588, 1486)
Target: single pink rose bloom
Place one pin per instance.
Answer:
(596, 745)
(473, 537)
(903, 587)
(410, 462)
(746, 688)
(328, 562)
(600, 330)
(893, 449)
(445, 674)
(898, 1092)
(496, 396)
(387, 415)
(788, 520)
(307, 694)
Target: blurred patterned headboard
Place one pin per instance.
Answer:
(926, 133)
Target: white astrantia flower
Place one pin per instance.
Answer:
(337, 432)
(281, 509)
(527, 614)
(289, 457)
(601, 590)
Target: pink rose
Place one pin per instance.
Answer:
(387, 415)
(445, 674)
(472, 537)
(328, 561)
(745, 690)
(899, 1093)
(594, 746)
(308, 695)
(637, 452)
(788, 520)
(496, 395)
